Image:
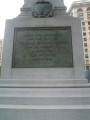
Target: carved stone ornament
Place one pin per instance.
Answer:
(42, 9)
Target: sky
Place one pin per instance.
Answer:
(11, 8)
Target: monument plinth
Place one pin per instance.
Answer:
(43, 65)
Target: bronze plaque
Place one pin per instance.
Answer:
(42, 47)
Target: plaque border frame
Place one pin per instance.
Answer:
(40, 28)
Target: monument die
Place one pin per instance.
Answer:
(42, 43)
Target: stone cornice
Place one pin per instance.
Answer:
(76, 5)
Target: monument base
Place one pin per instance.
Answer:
(50, 100)
(53, 89)
(15, 62)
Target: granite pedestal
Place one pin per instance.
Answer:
(44, 93)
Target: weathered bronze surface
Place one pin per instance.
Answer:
(42, 48)
(42, 9)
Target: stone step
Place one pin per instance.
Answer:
(44, 92)
(44, 84)
(38, 112)
(43, 81)
(45, 100)
(46, 107)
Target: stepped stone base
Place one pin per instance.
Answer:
(51, 100)
(47, 114)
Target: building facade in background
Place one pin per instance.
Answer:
(1, 47)
(81, 9)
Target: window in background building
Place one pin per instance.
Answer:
(85, 44)
(88, 28)
(88, 9)
(84, 28)
(87, 67)
(85, 39)
(82, 19)
(80, 14)
(86, 55)
(88, 13)
(88, 23)
(86, 50)
(80, 10)
(87, 62)
(84, 34)
(83, 23)
(88, 18)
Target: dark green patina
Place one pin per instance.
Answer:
(42, 9)
(42, 48)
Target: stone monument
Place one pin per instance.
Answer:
(43, 65)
